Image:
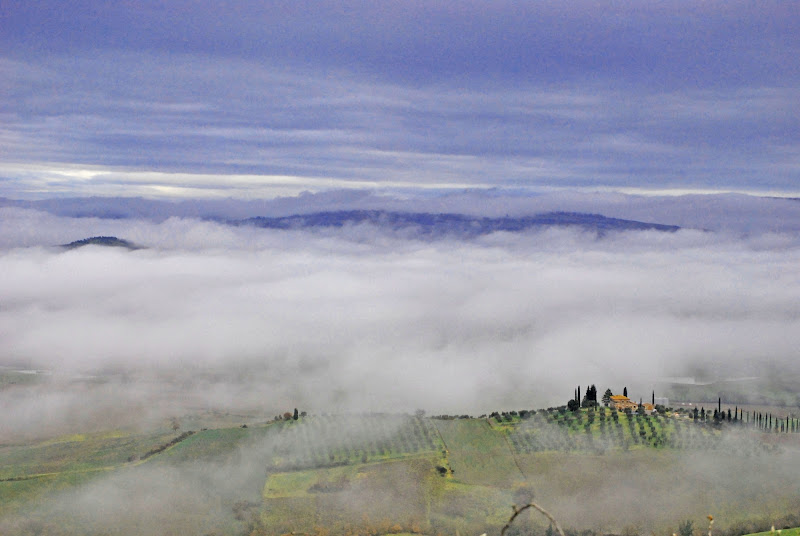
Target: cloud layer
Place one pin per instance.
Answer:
(275, 99)
(365, 319)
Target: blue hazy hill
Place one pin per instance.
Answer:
(106, 241)
(434, 225)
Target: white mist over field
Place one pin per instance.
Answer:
(366, 319)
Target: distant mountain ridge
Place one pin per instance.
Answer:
(431, 224)
(106, 241)
(730, 213)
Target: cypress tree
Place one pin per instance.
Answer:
(624, 391)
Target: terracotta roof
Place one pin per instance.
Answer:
(619, 398)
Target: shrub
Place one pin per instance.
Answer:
(686, 528)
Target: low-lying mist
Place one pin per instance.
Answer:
(216, 318)
(637, 491)
(364, 319)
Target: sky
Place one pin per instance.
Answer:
(157, 122)
(259, 100)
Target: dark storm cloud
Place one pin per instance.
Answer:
(419, 94)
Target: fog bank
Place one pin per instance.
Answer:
(361, 318)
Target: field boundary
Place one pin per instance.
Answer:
(509, 446)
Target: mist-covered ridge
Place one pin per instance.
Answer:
(720, 212)
(448, 224)
(106, 241)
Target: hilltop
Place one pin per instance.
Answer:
(444, 224)
(105, 241)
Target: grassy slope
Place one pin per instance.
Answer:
(402, 488)
(77, 453)
(376, 496)
(390, 494)
(31, 473)
(207, 445)
(15, 378)
(784, 532)
(478, 454)
(603, 429)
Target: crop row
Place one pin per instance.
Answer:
(605, 429)
(321, 441)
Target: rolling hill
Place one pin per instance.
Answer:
(448, 224)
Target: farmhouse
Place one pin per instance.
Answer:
(622, 402)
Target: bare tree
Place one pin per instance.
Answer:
(519, 510)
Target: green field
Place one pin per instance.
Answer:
(478, 454)
(393, 495)
(378, 474)
(604, 430)
(778, 532)
(211, 445)
(76, 453)
(10, 377)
